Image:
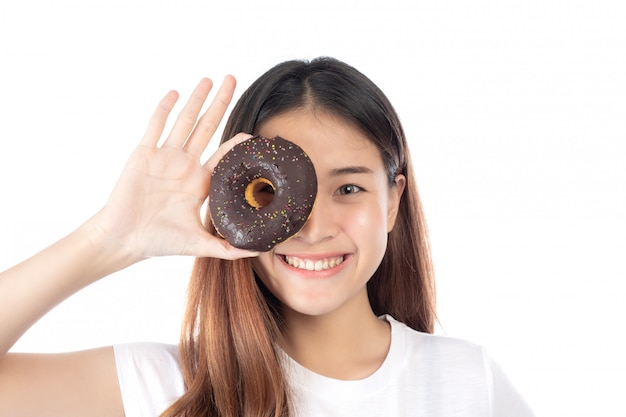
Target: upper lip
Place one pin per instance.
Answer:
(313, 256)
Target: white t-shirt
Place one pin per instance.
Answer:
(423, 375)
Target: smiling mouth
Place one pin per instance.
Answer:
(314, 265)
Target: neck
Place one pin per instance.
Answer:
(348, 344)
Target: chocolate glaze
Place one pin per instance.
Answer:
(290, 171)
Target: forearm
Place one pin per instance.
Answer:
(154, 210)
(32, 288)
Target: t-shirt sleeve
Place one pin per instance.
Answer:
(149, 376)
(506, 401)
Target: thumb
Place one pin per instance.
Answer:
(212, 246)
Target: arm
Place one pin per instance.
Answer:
(154, 210)
(70, 384)
(32, 288)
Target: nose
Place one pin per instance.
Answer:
(321, 225)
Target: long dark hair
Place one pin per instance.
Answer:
(227, 347)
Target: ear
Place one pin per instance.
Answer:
(395, 194)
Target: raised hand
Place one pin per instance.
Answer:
(154, 209)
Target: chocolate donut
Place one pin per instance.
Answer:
(262, 192)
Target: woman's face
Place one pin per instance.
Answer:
(326, 265)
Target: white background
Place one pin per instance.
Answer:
(516, 116)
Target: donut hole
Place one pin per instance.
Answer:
(260, 192)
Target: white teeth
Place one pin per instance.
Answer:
(311, 265)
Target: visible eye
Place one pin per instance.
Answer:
(349, 189)
(267, 188)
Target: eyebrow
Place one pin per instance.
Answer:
(350, 170)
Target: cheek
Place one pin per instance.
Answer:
(366, 223)
(261, 265)
(265, 268)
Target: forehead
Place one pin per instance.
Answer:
(330, 141)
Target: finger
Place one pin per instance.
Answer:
(212, 162)
(158, 119)
(215, 247)
(210, 120)
(189, 115)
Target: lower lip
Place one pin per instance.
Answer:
(324, 273)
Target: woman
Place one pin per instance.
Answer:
(264, 333)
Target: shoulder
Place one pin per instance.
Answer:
(147, 352)
(436, 347)
(442, 360)
(150, 377)
(458, 369)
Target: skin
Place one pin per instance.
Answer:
(154, 210)
(331, 328)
